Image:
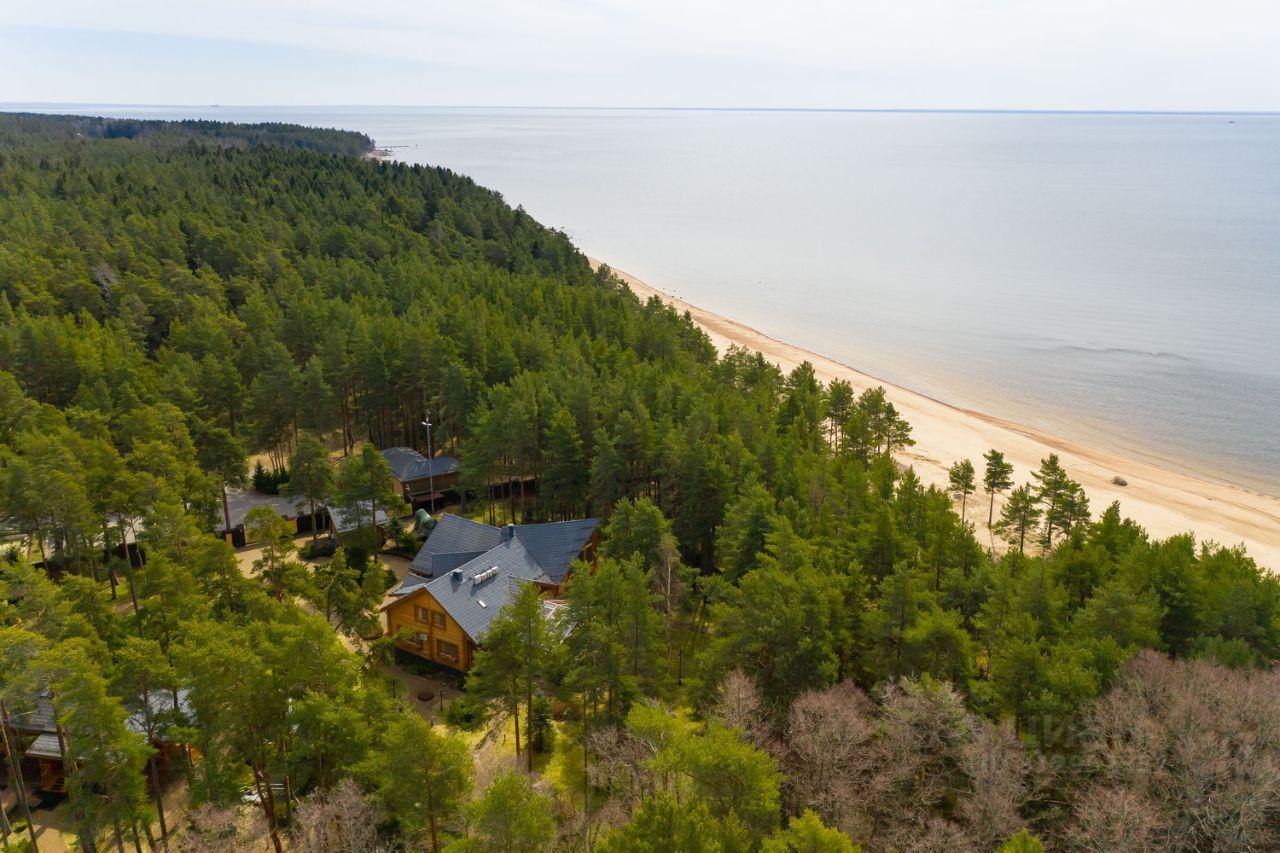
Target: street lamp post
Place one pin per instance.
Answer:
(431, 459)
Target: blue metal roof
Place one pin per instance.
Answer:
(454, 535)
(444, 563)
(457, 550)
(41, 717)
(411, 583)
(345, 521)
(556, 545)
(473, 595)
(408, 464)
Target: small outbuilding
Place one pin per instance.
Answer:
(240, 502)
(419, 479)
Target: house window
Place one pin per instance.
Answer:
(420, 613)
(438, 618)
(420, 640)
(447, 651)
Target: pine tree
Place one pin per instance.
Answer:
(839, 406)
(997, 478)
(103, 758)
(310, 475)
(223, 456)
(961, 482)
(1019, 517)
(420, 777)
(147, 681)
(515, 661)
(276, 569)
(1059, 498)
(612, 649)
(511, 817)
(606, 475)
(566, 473)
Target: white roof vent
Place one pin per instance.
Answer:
(481, 602)
(481, 577)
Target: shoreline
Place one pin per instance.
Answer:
(1164, 500)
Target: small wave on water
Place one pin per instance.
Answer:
(1106, 351)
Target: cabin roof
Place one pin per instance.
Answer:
(161, 702)
(442, 564)
(408, 464)
(45, 746)
(345, 520)
(475, 592)
(556, 545)
(553, 546)
(454, 535)
(40, 719)
(241, 501)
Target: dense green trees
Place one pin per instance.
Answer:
(422, 778)
(518, 656)
(511, 817)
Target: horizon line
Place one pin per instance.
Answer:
(997, 110)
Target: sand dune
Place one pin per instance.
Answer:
(1165, 502)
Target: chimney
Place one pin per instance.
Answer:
(508, 533)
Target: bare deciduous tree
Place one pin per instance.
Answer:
(341, 820)
(998, 769)
(829, 752)
(1114, 818)
(618, 765)
(917, 771)
(213, 829)
(1185, 755)
(740, 707)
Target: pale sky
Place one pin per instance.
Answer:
(988, 54)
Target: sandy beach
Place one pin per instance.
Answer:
(1163, 501)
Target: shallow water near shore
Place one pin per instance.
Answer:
(1112, 278)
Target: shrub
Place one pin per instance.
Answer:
(542, 734)
(268, 482)
(361, 544)
(406, 541)
(466, 713)
(317, 549)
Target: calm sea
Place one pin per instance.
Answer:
(1111, 277)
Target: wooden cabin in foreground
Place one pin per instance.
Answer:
(467, 571)
(40, 747)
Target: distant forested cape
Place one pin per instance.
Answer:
(29, 127)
